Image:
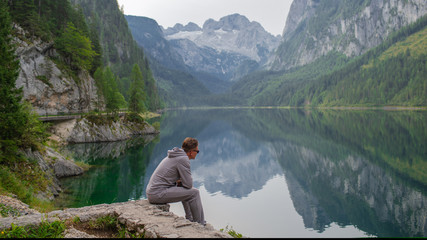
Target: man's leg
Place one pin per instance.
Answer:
(187, 209)
(180, 194)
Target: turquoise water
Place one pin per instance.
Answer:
(279, 172)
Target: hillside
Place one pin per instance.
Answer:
(172, 76)
(119, 50)
(217, 54)
(351, 27)
(391, 74)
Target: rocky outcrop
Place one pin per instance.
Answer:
(314, 28)
(87, 152)
(153, 221)
(12, 207)
(85, 131)
(55, 166)
(49, 89)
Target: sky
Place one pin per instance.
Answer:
(271, 14)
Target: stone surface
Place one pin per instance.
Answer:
(55, 166)
(155, 221)
(85, 131)
(74, 233)
(49, 89)
(16, 207)
(351, 35)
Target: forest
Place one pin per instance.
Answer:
(93, 36)
(393, 73)
(82, 46)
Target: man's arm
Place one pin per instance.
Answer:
(184, 171)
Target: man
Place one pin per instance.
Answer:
(172, 181)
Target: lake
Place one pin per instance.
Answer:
(279, 172)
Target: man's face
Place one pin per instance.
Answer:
(193, 153)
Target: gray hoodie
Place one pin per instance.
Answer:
(172, 168)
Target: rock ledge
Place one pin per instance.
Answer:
(154, 221)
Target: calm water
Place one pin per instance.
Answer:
(279, 173)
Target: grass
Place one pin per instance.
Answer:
(148, 115)
(44, 230)
(231, 232)
(6, 211)
(415, 43)
(106, 227)
(25, 180)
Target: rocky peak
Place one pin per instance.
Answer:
(314, 28)
(229, 23)
(190, 27)
(233, 33)
(299, 11)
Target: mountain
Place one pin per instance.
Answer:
(149, 35)
(172, 75)
(352, 27)
(216, 55)
(393, 73)
(119, 50)
(223, 47)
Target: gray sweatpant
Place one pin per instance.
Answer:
(190, 199)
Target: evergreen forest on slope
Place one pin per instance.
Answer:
(394, 73)
(93, 36)
(82, 44)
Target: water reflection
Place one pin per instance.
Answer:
(364, 172)
(232, 164)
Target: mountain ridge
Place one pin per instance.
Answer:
(314, 28)
(217, 55)
(234, 33)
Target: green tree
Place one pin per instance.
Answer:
(106, 83)
(19, 127)
(24, 12)
(75, 48)
(99, 81)
(136, 92)
(11, 116)
(109, 91)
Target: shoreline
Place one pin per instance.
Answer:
(385, 108)
(148, 220)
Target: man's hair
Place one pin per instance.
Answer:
(189, 144)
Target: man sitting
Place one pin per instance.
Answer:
(172, 181)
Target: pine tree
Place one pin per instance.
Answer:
(99, 78)
(136, 92)
(76, 48)
(12, 118)
(114, 98)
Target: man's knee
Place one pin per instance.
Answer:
(195, 192)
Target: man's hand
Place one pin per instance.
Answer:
(179, 183)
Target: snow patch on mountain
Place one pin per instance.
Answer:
(233, 33)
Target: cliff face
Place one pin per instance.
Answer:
(85, 131)
(149, 35)
(314, 28)
(49, 89)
